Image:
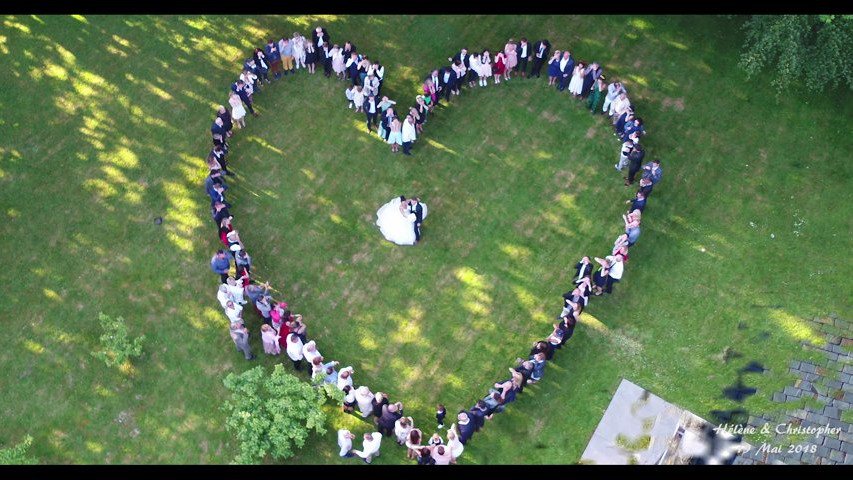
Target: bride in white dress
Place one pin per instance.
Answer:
(396, 222)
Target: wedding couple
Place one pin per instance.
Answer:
(400, 220)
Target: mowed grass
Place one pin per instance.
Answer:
(106, 125)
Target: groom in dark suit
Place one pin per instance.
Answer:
(418, 209)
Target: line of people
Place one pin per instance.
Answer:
(281, 329)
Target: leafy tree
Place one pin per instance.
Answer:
(17, 455)
(813, 50)
(274, 414)
(116, 346)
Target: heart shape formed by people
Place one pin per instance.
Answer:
(469, 289)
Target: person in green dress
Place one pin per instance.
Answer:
(597, 93)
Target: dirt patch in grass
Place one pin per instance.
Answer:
(553, 118)
(676, 104)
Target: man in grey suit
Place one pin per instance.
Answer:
(240, 335)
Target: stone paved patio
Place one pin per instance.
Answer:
(829, 386)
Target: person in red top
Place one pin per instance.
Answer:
(499, 65)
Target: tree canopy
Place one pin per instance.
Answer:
(812, 50)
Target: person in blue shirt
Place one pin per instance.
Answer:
(465, 426)
(652, 171)
(274, 58)
(221, 264)
(538, 367)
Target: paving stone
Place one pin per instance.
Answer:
(795, 364)
(810, 377)
(836, 455)
(845, 378)
(813, 417)
(846, 437)
(847, 448)
(793, 392)
(837, 349)
(807, 367)
(792, 457)
(822, 452)
(832, 443)
(836, 424)
(804, 385)
(834, 384)
(808, 458)
(824, 399)
(846, 342)
(848, 396)
(832, 412)
(800, 414)
(779, 397)
(848, 459)
(847, 369)
(820, 389)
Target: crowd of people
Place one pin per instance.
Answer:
(281, 329)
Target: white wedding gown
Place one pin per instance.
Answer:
(394, 226)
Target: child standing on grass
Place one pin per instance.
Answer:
(440, 413)
(350, 93)
(358, 99)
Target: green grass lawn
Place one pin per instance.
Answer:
(106, 122)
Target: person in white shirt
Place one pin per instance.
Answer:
(364, 398)
(234, 312)
(454, 444)
(441, 455)
(613, 91)
(358, 99)
(619, 106)
(350, 93)
(294, 350)
(310, 352)
(345, 377)
(223, 296)
(409, 134)
(402, 427)
(345, 443)
(235, 288)
(370, 446)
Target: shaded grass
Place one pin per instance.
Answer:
(116, 135)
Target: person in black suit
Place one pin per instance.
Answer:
(446, 81)
(567, 66)
(418, 209)
(524, 54)
(540, 52)
(463, 58)
(320, 36)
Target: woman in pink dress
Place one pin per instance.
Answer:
(511, 58)
(430, 91)
(270, 339)
(500, 66)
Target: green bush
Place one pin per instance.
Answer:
(17, 455)
(116, 346)
(272, 415)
